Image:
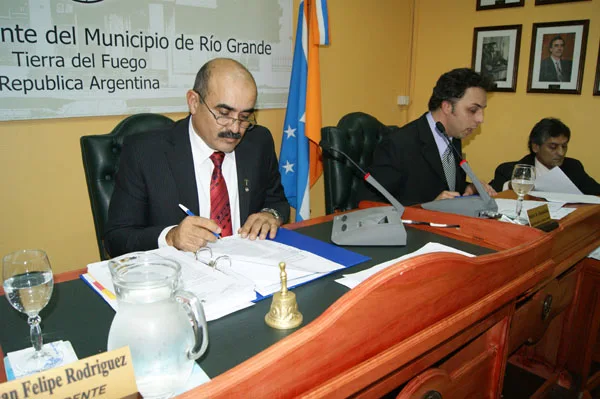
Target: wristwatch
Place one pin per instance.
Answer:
(273, 212)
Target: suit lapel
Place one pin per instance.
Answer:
(429, 149)
(179, 156)
(244, 180)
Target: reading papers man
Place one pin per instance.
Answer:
(548, 143)
(216, 162)
(415, 163)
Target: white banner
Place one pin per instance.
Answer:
(66, 58)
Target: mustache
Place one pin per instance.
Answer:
(228, 134)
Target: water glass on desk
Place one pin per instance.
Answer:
(523, 180)
(28, 285)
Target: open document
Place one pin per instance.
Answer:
(352, 280)
(220, 293)
(249, 273)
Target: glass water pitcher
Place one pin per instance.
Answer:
(164, 327)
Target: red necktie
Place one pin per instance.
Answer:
(220, 211)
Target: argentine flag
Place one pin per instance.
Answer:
(299, 162)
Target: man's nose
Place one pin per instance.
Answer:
(235, 126)
(561, 151)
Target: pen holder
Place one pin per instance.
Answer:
(284, 312)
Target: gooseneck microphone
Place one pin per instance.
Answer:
(380, 226)
(481, 206)
(366, 176)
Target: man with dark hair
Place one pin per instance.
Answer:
(554, 68)
(548, 143)
(209, 162)
(415, 163)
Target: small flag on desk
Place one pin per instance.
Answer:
(299, 161)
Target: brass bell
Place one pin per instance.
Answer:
(284, 312)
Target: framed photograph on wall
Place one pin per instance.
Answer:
(557, 57)
(597, 81)
(496, 54)
(492, 4)
(542, 2)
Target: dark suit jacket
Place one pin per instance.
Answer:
(156, 173)
(572, 168)
(408, 164)
(548, 71)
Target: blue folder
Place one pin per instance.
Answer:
(323, 249)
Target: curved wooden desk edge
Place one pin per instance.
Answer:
(486, 284)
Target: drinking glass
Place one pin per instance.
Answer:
(28, 285)
(523, 179)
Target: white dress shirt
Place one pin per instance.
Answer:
(203, 168)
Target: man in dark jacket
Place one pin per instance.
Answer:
(548, 143)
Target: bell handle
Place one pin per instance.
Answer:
(195, 311)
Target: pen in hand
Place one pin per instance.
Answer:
(190, 213)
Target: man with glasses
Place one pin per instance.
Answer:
(216, 162)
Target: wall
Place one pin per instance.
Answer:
(44, 202)
(443, 41)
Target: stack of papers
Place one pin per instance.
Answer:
(220, 294)
(258, 261)
(508, 207)
(252, 274)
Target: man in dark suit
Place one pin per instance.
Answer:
(216, 162)
(409, 161)
(554, 68)
(548, 143)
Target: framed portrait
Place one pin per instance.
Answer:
(597, 81)
(557, 57)
(542, 2)
(496, 54)
(492, 4)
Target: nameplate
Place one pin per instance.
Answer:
(554, 87)
(539, 217)
(107, 375)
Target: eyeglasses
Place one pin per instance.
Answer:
(246, 123)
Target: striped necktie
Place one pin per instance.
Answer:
(449, 167)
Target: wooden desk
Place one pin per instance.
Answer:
(448, 324)
(434, 323)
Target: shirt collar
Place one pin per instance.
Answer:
(200, 147)
(441, 142)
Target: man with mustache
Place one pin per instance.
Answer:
(548, 143)
(415, 163)
(217, 162)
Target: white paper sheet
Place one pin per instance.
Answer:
(566, 198)
(352, 280)
(508, 207)
(556, 181)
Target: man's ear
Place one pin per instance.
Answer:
(193, 101)
(535, 148)
(446, 107)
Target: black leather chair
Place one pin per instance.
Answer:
(356, 134)
(100, 155)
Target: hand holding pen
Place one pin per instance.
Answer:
(192, 233)
(190, 213)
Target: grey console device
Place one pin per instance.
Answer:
(477, 206)
(381, 226)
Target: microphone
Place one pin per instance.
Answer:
(484, 205)
(381, 226)
(366, 176)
